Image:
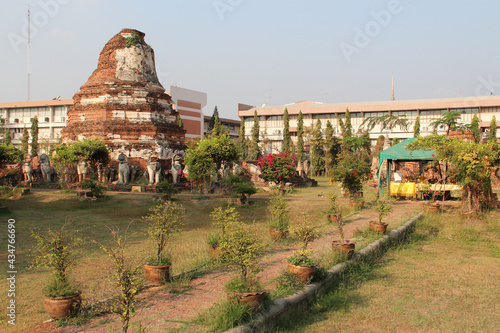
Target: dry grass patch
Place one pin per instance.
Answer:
(444, 283)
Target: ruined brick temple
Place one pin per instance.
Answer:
(124, 104)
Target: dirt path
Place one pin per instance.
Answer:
(158, 309)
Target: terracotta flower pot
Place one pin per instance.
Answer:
(431, 208)
(253, 300)
(333, 218)
(378, 227)
(62, 307)
(303, 273)
(157, 275)
(277, 235)
(347, 248)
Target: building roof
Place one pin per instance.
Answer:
(398, 105)
(224, 120)
(27, 104)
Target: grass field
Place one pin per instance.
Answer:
(51, 209)
(445, 279)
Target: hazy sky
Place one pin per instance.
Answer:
(256, 52)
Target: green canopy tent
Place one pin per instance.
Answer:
(399, 152)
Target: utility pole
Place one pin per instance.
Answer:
(29, 45)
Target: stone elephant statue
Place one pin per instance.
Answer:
(154, 170)
(27, 171)
(123, 169)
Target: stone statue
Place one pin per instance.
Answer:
(82, 170)
(237, 169)
(100, 173)
(45, 168)
(27, 171)
(224, 169)
(111, 175)
(176, 168)
(154, 170)
(123, 169)
(133, 172)
(300, 168)
(306, 169)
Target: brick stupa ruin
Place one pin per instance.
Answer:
(124, 104)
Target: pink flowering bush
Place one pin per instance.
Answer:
(279, 168)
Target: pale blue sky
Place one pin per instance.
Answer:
(255, 51)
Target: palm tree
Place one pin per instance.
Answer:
(448, 119)
(387, 121)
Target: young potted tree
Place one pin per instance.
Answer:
(222, 218)
(163, 220)
(240, 248)
(53, 250)
(343, 245)
(300, 264)
(383, 209)
(242, 188)
(333, 212)
(279, 223)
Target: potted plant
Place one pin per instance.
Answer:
(240, 187)
(167, 189)
(351, 172)
(383, 209)
(279, 223)
(126, 277)
(343, 245)
(164, 220)
(222, 218)
(333, 212)
(53, 250)
(240, 248)
(300, 264)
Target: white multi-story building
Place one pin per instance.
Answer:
(271, 117)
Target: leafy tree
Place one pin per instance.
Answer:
(25, 143)
(492, 134)
(34, 136)
(471, 166)
(254, 150)
(345, 126)
(8, 139)
(387, 121)
(92, 150)
(448, 119)
(332, 147)
(474, 127)
(351, 172)
(211, 123)
(317, 151)
(9, 153)
(395, 141)
(242, 142)
(379, 146)
(416, 128)
(287, 140)
(206, 159)
(300, 137)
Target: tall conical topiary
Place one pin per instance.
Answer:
(474, 128)
(34, 136)
(300, 137)
(242, 142)
(416, 128)
(254, 150)
(492, 134)
(25, 143)
(287, 140)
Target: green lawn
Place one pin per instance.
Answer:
(446, 279)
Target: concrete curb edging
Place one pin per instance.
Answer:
(313, 290)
